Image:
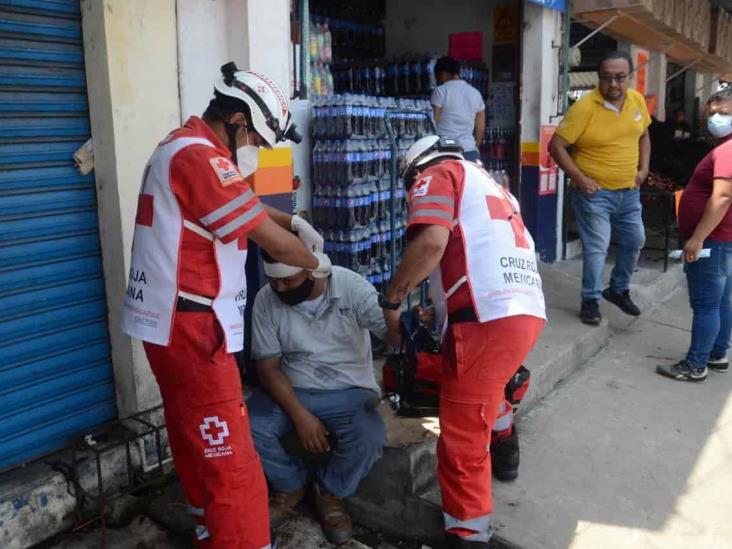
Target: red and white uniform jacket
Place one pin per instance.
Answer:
(194, 213)
(490, 261)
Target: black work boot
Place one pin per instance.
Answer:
(590, 312)
(456, 542)
(505, 457)
(622, 300)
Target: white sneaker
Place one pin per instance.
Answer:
(718, 364)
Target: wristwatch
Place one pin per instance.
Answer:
(390, 305)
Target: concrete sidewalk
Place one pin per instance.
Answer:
(401, 496)
(545, 506)
(621, 457)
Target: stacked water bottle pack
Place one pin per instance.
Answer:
(352, 197)
(349, 116)
(409, 75)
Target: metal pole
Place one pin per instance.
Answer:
(566, 34)
(393, 183)
(700, 88)
(598, 29)
(304, 48)
(683, 69)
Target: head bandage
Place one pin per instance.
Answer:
(280, 270)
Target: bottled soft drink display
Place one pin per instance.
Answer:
(403, 76)
(497, 153)
(351, 166)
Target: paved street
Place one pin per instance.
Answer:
(619, 457)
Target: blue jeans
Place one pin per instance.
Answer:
(710, 285)
(600, 215)
(360, 437)
(471, 155)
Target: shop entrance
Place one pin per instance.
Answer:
(364, 59)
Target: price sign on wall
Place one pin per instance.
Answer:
(467, 46)
(502, 105)
(548, 169)
(505, 24)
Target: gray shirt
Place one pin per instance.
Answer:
(460, 102)
(326, 349)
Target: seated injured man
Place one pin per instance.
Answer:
(311, 344)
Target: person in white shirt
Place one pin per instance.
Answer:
(458, 108)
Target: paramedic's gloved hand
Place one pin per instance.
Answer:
(312, 433)
(324, 267)
(307, 233)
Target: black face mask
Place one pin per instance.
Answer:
(296, 295)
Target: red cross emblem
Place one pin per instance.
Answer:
(223, 164)
(214, 431)
(500, 208)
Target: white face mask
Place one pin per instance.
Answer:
(247, 158)
(720, 125)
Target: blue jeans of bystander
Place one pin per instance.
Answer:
(599, 216)
(710, 286)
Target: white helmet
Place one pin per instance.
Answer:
(268, 104)
(426, 149)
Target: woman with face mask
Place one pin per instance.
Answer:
(705, 220)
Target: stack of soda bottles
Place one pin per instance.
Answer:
(405, 76)
(352, 162)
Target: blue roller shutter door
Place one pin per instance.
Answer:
(55, 365)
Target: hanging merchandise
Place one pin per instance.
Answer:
(321, 55)
(352, 192)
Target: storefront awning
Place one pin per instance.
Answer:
(586, 80)
(684, 34)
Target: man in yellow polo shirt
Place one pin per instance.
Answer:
(603, 146)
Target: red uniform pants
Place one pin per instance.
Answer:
(480, 358)
(208, 430)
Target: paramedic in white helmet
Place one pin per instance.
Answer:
(187, 293)
(466, 233)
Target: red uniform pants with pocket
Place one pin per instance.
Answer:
(208, 430)
(479, 360)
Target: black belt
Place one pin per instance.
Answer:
(188, 306)
(462, 315)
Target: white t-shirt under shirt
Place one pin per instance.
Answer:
(460, 102)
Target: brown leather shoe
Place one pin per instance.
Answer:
(281, 505)
(333, 517)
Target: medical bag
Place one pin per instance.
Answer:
(411, 377)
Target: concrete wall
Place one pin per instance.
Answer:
(268, 39)
(149, 66)
(210, 33)
(423, 26)
(657, 68)
(131, 64)
(539, 96)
